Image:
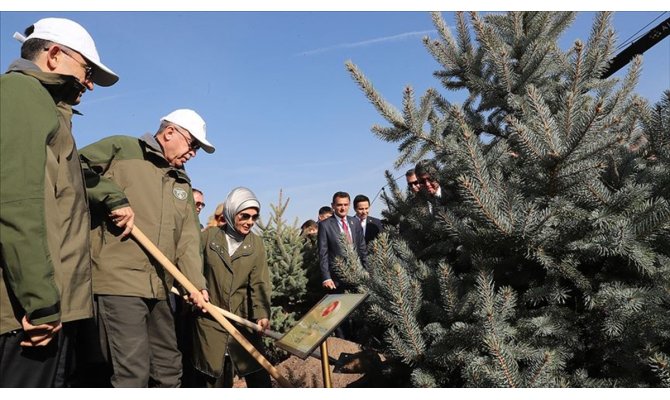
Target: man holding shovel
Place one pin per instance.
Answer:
(143, 179)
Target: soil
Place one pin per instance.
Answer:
(351, 366)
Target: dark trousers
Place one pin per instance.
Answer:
(92, 371)
(184, 320)
(47, 366)
(140, 341)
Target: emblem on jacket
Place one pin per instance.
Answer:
(179, 193)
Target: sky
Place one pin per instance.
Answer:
(280, 107)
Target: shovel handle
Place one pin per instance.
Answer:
(269, 333)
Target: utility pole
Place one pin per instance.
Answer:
(639, 46)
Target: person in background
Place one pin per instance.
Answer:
(435, 195)
(45, 263)
(217, 219)
(412, 182)
(309, 228)
(330, 231)
(199, 201)
(136, 324)
(237, 274)
(372, 226)
(325, 212)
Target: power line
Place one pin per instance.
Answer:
(644, 43)
(382, 189)
(632, 37)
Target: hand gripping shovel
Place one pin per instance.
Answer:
(269, 333)
(211, 309)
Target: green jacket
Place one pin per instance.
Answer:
(122, 170)
(240, 284)
(45, 264)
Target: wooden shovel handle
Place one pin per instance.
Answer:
(240, 320)
(268, 332)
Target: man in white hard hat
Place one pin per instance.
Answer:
(45, 263)
(147, 173)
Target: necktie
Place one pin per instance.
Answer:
(345, 227)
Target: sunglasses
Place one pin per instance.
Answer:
(88, 70)
(245, 217)
(190, 142)
(413, 183)
(200, 204)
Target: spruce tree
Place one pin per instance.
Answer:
(551, 268)
(289, 263)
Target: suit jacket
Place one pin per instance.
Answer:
(373, 227)
(329, 244)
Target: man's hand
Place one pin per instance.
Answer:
(199, 299)
(123, 217)
(329, 284)
(39, 335)
(264, 324)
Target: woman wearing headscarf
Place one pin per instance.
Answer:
(237, 275)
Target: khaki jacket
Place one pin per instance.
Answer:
(122, 170)
(240, 284)
(45, 264)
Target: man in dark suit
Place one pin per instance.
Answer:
(330, 231)
(371, 225)
(437, 196)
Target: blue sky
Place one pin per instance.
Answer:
(279, 104)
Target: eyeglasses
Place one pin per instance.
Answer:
(191, 143)
(244, 217)
(413, 183)
(88, 70)
(199, 204)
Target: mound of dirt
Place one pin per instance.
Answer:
(351, 366)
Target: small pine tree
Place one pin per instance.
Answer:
(551, 268)
(288, 264)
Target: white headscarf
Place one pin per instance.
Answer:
(238, 199)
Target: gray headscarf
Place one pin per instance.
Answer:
(238, 199)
